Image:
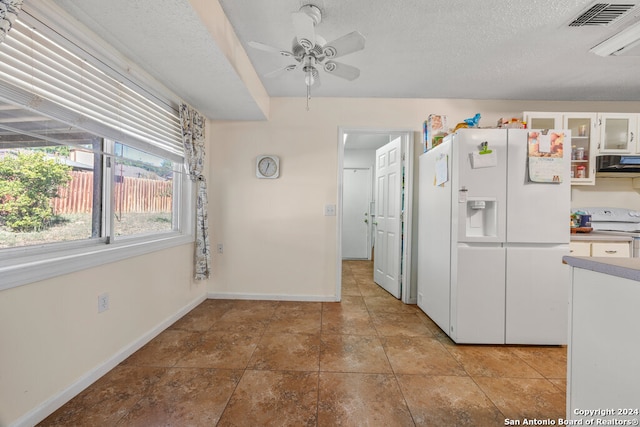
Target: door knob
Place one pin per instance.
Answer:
(366, 221)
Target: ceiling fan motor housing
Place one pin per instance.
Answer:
(313, 12)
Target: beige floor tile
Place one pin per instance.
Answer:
(353, 353)
(246, 311)
(273, 398)
(491, 361)
(223, 350)
(519, 398)
(400, 324)
(361, 400)
(347, 322)
(200, 318)
(250, 326)
(561, 384)
(387, 304)
(420, 355)
(551, 362)
(165, 349)
(433, 327)
(287, 352)
(348, 304)
(295, 322)
(287, 306)
(372, 290)
(350, 289)
(185, 397)
(448, 401)
(107, 400)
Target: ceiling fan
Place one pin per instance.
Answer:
(311, 52)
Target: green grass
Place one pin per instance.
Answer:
(70, 227)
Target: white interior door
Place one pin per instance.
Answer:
(388, 240)
(355, 216)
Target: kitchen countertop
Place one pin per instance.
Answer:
(628, 268)
(601, 236)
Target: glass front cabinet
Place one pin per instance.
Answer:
(583, 144)
(618, 133)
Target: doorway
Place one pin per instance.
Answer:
(357, 151)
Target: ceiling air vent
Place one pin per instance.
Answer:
(601, 14)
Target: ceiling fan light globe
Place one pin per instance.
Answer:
(309, 80)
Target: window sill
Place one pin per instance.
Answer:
(24, 270)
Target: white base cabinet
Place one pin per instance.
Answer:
(600, 249)
(603, 368)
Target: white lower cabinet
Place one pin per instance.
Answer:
(610, 249)
(580, 248)
(603, 380)
(600, 249)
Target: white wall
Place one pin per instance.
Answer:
(277, 242)
(53, 342)
(608, 192)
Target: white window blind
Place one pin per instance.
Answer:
(39, 73)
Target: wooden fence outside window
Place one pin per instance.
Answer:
(131, 195)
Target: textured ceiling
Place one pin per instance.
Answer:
(493, 49)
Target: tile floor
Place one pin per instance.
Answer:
(367, 361)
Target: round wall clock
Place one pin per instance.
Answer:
(268, 166)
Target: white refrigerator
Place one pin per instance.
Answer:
(491, 241)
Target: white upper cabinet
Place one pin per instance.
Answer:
(583, 143)
(618, 133)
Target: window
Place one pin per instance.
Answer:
(91, 166)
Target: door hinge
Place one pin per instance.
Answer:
(108, 162)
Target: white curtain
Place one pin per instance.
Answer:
(193, 140)
(8, 13)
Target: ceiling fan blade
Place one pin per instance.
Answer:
(281, 71)
(344, 45)
(267, 48)
(304, 25)
(341, 70)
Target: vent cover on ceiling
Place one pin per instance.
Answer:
(601, 14)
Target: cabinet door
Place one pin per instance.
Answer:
(542, 120)
(584, 140)
(611, 249)
(617, 133)
(580, 248)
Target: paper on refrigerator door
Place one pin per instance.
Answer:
(442, 169)
(545, 157)
(489, 160)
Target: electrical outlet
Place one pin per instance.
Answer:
(220, 248)
(103, 302)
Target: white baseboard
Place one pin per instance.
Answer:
(52, 404)
(271, 297)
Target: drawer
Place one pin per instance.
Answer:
(620, 250)
(580, 248)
